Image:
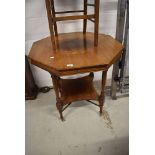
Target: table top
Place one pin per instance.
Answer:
(76, 53)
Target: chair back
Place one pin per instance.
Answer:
(53, 19)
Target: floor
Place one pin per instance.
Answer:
(84, 131)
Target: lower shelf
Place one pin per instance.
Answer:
(77, 89)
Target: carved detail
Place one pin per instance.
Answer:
(55, 80)
(84, 90)
(101, 103)
(59, 106)
(102, 97)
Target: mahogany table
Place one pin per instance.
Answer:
(76, 54)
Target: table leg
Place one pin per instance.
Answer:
(102, 96)
(60, 109)
(56, 86)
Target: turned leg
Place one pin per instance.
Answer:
(60, 108)
(101, 97)
(56, 86)
(101, 102)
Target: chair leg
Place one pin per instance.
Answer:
(60, 107)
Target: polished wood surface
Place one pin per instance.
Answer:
(76, 53)
(73, 53)
(78, 89)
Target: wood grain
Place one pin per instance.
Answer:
(78, 89)
(77, 49)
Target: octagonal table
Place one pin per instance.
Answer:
(76, 54)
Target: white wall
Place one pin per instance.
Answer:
(37, 27)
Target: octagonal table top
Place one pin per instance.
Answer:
(76, 53)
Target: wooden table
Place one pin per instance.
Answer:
(76, 53)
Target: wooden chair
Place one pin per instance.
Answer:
(53, 19)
